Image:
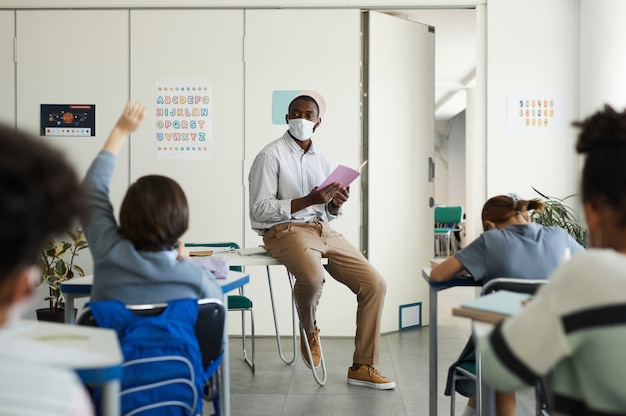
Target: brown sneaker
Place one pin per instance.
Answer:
(314, 345)
(368, 376)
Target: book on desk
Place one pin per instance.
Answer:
(492, 308)
(205, 251)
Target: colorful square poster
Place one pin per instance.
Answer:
(535, 114)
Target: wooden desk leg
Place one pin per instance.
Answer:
(432, 360)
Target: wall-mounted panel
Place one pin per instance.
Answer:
(401, 125)
(7, 67)
(186, 45)
(75, 57)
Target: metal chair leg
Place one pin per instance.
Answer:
(250, 361)
(293, 319)
(321, 381)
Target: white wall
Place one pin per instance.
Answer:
(442, 180)
(456, 160)
(535, 58)
(602, 57)
(7, 67)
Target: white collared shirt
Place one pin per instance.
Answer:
(281, 172)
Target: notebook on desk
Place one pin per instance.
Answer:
(493, 307)
(252, 251)
(207, 250)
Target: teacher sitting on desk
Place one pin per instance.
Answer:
(293, 216)
(511, 246)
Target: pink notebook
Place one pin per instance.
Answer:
(342, 174)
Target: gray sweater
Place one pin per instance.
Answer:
(122, 272)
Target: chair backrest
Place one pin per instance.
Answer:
(448, 215)
(230, 244)
(209, 327)
(528, 286)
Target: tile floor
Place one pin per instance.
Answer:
(279, 389)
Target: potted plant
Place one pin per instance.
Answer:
(556, 212)
(57, 263)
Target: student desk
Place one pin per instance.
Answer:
(434, 289)
(94, 353)
(80, 287)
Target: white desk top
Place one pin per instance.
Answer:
(82, 285)
(236, 259)
(93, 352)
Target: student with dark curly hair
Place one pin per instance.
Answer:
(40, 197)
(576, 323)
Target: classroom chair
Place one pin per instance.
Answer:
(447, 223)
(466, 370)
(239, 303)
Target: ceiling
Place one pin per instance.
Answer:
(455, 55)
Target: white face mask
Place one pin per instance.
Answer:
(301, 129)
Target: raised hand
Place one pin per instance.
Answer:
(129, 121)
(132, 117)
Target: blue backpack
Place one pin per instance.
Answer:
(162, 359)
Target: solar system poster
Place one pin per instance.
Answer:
(74, 120)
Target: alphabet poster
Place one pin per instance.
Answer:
(183, 119)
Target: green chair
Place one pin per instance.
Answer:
(447, 222)
(239, 303)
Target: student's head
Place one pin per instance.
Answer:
(303, 117)
(40, 196)
(154, 213)
(603, 140)
(501, 209)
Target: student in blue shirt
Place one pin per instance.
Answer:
(134, 262)
(511, 246)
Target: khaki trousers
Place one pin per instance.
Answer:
(299, 246)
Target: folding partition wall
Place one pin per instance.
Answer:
(227, 65)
